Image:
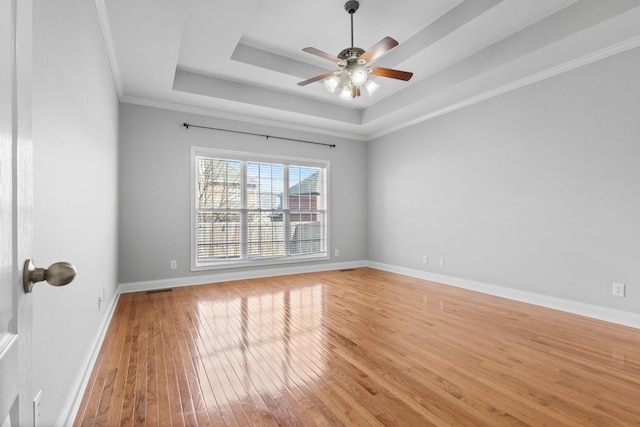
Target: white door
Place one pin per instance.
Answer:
(15, 211)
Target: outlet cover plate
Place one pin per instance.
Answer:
(617, 289)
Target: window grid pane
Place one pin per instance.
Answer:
(306, 199)
(264, 188)
(307, 235)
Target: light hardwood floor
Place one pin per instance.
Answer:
(357, 347)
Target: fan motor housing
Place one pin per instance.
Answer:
(350, 53)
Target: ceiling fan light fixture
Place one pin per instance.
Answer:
(345, 94)
(354, 64)
(358, 75)
(332, 83)
(371, 86)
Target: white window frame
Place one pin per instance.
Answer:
(197, 265)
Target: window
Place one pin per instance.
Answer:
(250, 210)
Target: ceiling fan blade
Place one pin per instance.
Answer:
(321, 54)
(378, 49)
(316, 78)
(393, 74)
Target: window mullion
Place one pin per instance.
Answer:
(285, 214)
(243, 211)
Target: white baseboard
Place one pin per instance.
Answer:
(620, 317)
(72, 405)
(227, 276)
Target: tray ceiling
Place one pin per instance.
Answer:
(242, 59)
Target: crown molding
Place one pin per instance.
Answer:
(210, 112)
(103, 18)
(533, 78)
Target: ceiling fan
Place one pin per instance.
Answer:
(355, 63)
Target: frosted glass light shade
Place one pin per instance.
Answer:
(332, 83)
(346, 92)
(371, 86)
(359, 76)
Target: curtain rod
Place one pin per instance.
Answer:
(188, 125)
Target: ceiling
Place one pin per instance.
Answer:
(242, 59)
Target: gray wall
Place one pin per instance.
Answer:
(536, 190)
(155, 173)
(75, 131)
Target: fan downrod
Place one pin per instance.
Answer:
(351, 6)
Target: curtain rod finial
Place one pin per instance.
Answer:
(185, 124)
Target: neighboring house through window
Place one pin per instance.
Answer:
(255, 209)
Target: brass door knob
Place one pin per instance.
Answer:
(58, 274)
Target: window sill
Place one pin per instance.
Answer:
(220, 265)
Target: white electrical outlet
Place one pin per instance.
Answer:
(336, 252)
(36, 409)
(174, 264)
(617, 289)
(441, 262)
(425, 259)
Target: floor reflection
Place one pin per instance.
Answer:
(263, 342)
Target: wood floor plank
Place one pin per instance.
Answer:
(153, 373)
(96, 400)
(111, 400)
(355, 348)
